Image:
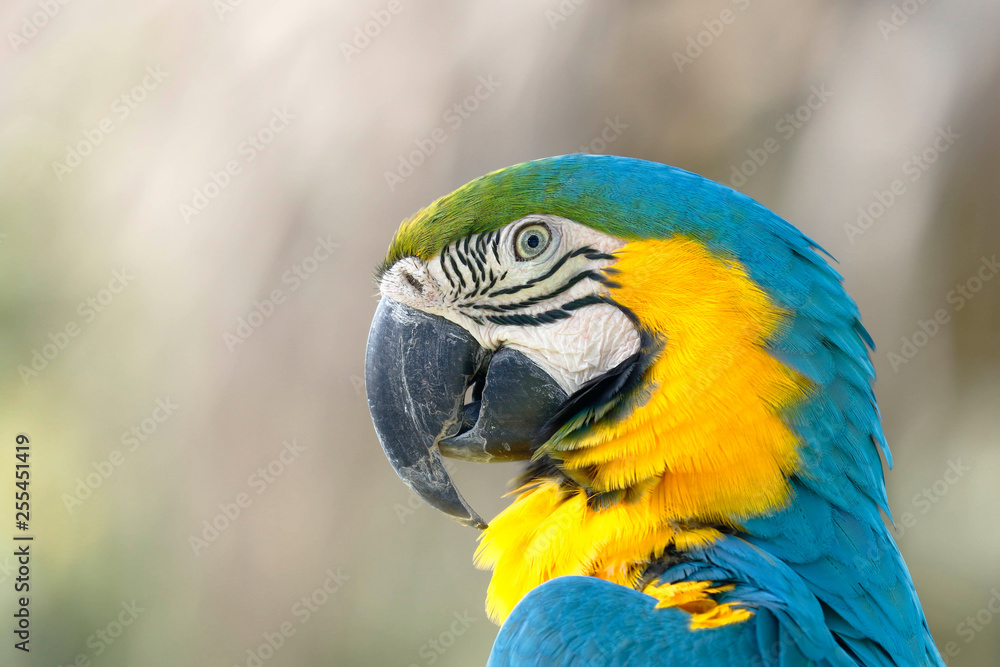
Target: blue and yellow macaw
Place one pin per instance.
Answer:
(691, 386)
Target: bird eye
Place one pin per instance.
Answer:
(531, 241)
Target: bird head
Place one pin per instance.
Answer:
(667, 355)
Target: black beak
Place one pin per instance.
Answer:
(418, 369)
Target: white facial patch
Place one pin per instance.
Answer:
(534, 285)
(577, 349)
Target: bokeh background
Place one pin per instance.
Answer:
(167, 165)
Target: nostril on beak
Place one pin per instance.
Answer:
(414, 283)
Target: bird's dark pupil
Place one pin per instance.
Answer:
(533, 241)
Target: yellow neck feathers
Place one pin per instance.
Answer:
(708, 447)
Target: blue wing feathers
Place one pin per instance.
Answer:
(590, 622)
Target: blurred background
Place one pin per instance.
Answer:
(194, 193)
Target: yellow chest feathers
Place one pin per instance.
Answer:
(708, 446)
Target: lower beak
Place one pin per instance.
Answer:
(418, 369)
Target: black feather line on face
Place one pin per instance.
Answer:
(444, 268)
(458, 273)
(470, 262)
(481, 248)
(493, 281)
(535, 300)
(548, 274)
(548, 317)
(463, 258)
(482, 273)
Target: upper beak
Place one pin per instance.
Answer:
(418, 369)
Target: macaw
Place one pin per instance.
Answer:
(690, 386)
